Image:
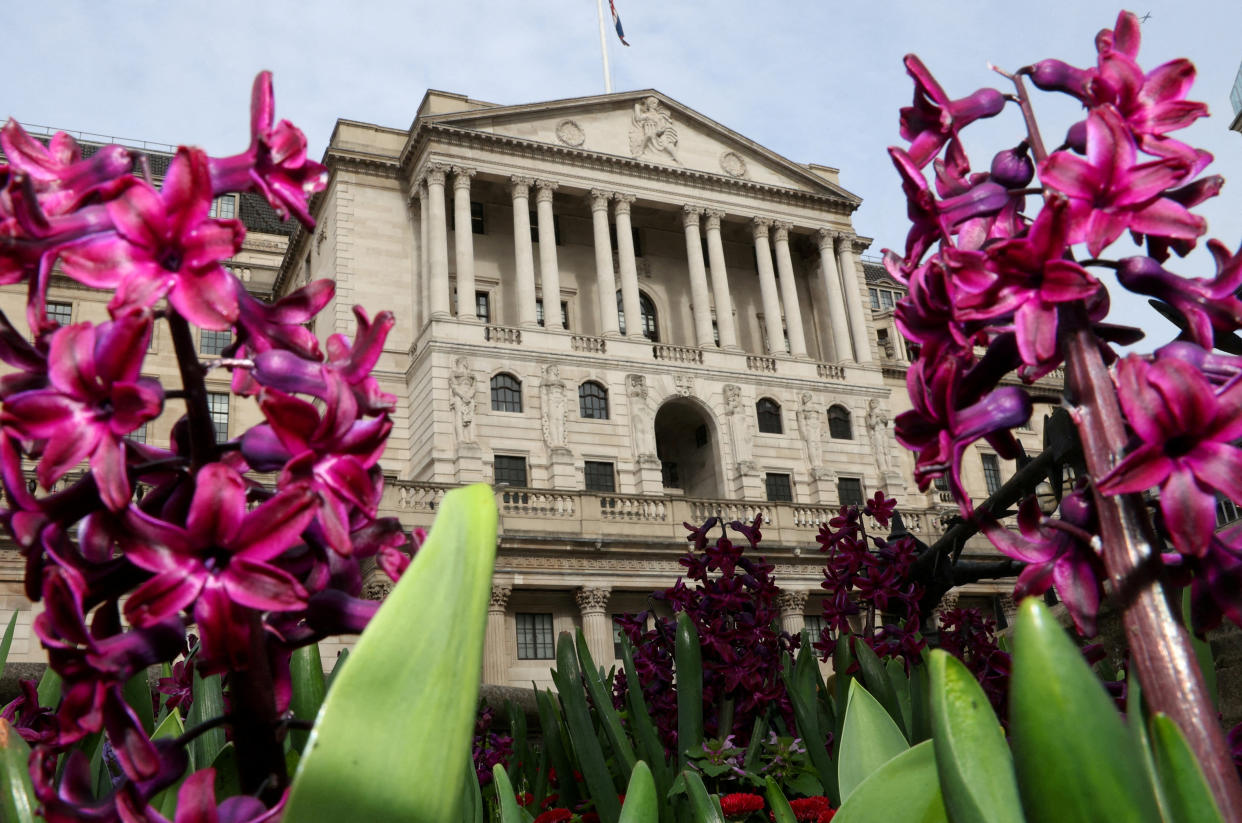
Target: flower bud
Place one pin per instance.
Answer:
(1013, 168)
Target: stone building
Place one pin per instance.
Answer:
(624, 316)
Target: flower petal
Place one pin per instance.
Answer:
(218, 507)
(1189, 512)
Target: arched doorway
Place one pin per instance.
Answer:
(687, 444)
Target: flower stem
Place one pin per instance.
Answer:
(260, 755)
(202, 433)
(1159, 644)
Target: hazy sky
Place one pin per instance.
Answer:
(813, 80)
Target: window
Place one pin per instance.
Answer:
(62, 313)
(850, 491)
(223, 207)
(599, 476)
(534, 228)
(534, 636)
(593, 401)
(669, 476)
(991, 473)
(211, 343)
(651, 329)
(618, 637)
(769, 413)
(637, 238)
(510, 470)
(477, 224)
(218, 405)
(941, 483)
(814, 623)
(138, 435)
(1226, 510)
(882, 299)
(779, 489)
(839, 423)
(564, 313)
(506, 393)
(483, 306)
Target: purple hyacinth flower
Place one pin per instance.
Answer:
(933, 119)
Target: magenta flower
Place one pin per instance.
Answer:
(165, 244)
(61, 177)
(933, 119)
(94, 399)
(220, 562)
(1185, 432)
(1207, 305)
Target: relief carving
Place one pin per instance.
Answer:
(642, 422)
(877, 428)
(463, 384)
(733, 164)
(810, 425)
(592, 599)
(554, 406)
(684, 384)
(570, 133)
(741, 431)
(652, 130)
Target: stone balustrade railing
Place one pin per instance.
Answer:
(503, 334)
(830, 371)
(756, 362)
(591, 345)
(677, 354)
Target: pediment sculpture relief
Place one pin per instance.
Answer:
(652, 131)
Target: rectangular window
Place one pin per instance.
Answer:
(223, 207)
(599, 476)
(511, 470)
(850, 491)
(618, 637)
(539, 310)
(534, 636)
(218, 405)
(814, 623)
(477, 223)
(483, 306)
(779, 488)
(941, 483)
(62, 313)
(1226, 510)
(991, 473)
(634, 234)
(874, 294)
(564, 314)
(534, 228)
(211, 343)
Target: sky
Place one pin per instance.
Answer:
(814, 80)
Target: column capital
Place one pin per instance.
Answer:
(461, 177)
(759, 226)
(500, 597)
(521, 185)
(690, 215)
(434, 173)
(623, 202)
(791, 600)
(781, 228)
(592, 599)
(712, 218)
(599, 199)
(826, 238)
(858, 245)
(544, 190)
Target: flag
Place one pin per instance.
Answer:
(616, 21)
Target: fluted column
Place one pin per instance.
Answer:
(792, 604)
(853, 298)
(837, 319)
(424, 255)
(720, 281)
(789, 291)
(523, 254)
(596, 627)
(437, 237)
(627, 267)
(767, 288)
(605, 280)
(495, 655)
(549, 273)
(701, 302)
(463, 242)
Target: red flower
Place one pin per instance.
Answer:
(809, 809)
(525, 799)
(738, 805)
(555, 816)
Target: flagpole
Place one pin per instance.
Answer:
(603, 47)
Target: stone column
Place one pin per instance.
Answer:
(596, 627)
(837, 319)
(767, 288)
(701, 302)
(549, 273)
(792, 604)
(463, 242)
(523, 254)
(605, 280)
(627, 267)
(789, 291)
(853, 298)
(720, 282)
(495, 644)
(437, 236)
(424, 255)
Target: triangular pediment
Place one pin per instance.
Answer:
(649, 127)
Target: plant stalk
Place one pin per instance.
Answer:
(260, 754)
(202, 433)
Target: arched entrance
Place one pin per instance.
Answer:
(687, 444)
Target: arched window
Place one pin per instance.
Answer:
(651, 328)
(593, 401)
(839, 423)
(506, 393)
(769, 413)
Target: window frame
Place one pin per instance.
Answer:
(511, 463)
(215, 212)
(218, 408)
(210, 351)
(502, 395)
(768, 416)
(783, 491)
(841, 497)
(486, 315)
(840, 415)
(67, 314)
(991, 472)
(594, 473)
(535, 645)
(591, 405)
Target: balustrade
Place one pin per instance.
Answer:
(503, 334)
(677, 354)
(756, 362)
(592, 345)
(830, 371)
(614, 507)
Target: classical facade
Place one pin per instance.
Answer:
(622, 315)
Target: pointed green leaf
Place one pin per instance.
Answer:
(341, 657)
(806, 717)
(17, 797)
(392, 736)
(166, 800)
(702, 804)
(688, 658)
(972, 758)
(875, 677)
(137, 693)
(782, 812)
(640, 797)
(554, 744)
(601, 696)
(869, 739)
(306, 679)
(7, 642)
(49, 689)
(228, 779)
(473, 803)
(1186, 794)
(900, 681)
(510, 811)
(643, 728)
(920, 715)
(208, 704)
(904, 790)
(582, 732)
(1075, 760)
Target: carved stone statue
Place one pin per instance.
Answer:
(554, 406)
(741, 432)
(463, 384)
(653, 130)
(877, 428)
(642, 423)
(684, 384)
(810, 425)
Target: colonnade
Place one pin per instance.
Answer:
(709, 281)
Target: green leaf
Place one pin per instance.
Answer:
(701, 804)
(306, 676)
(1075, 760)
(643, 728)
(582, 732)
(806, 716)
(7, 642)
(903, 790)
(228, 778)
(510, 811)
(920, 715)
(473, 803)
(1186, 794)
(17, 797)
(341, 657)
(778, 804)
(878, 685)
(166, 800)
(688, 658)
(49, 689)
(641, 805)
(972, 758)
(137, 693)
(900, 681)
(208, 704)
(393, 734)
(554, 744)
(601, 696)
(869, 739)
